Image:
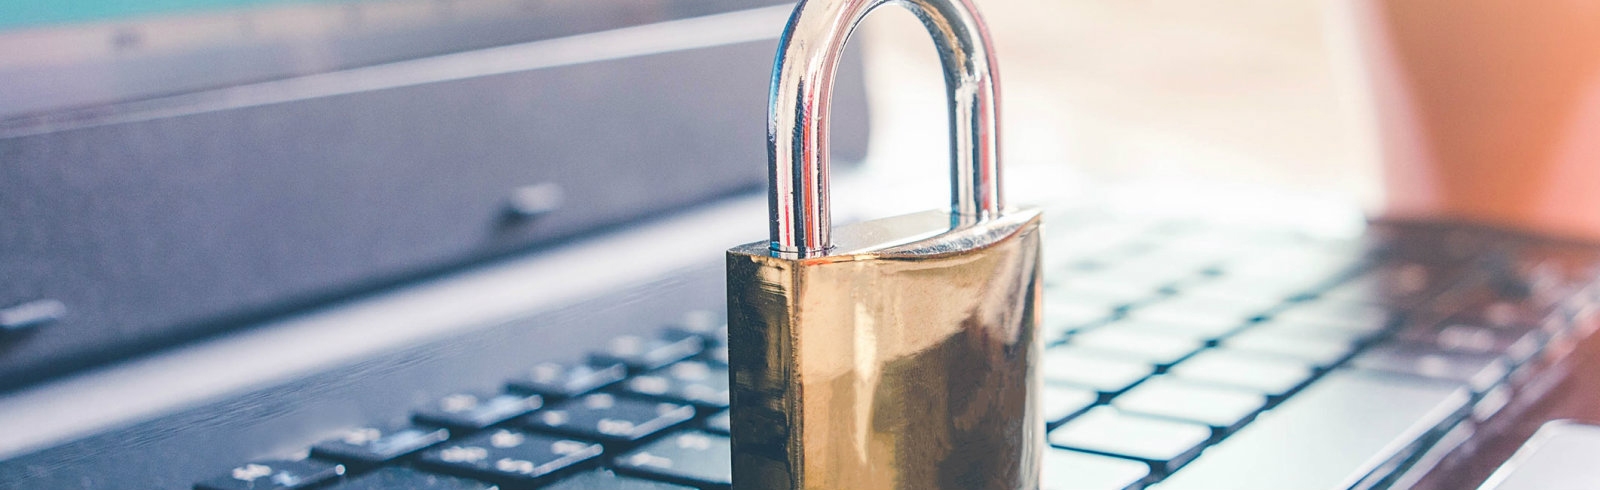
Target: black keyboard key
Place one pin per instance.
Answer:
(366, 447)
(717, 355)
(1461, 337)
(1059, 402)
(1085, 369)
(1144, 345)
(1222, 409)
(1397, 284)
(1163, 444)
(607, 480)
(559, 381)
(1063, 318)
(1517, 347)
(1270, 376)
(467, 412)
(402, 478)
(1302, 265)
(1287, 328)
(511, 457)
(1163, 329)
(1505, 315)
(642, 354)
(1356, 319)
(692, 382)
(713, 333)
(1207, 318)
(1341, 428)
(1478, 371)
(1072, 470)
(1319, 351)
(610, 418)
(1247, 292)
(275, 475)
(1097, 288)
(721, 423)
(1082, 237)
(691, 458)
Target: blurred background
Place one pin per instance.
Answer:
(1195, 101)
(1245, 92)
(1280, 97)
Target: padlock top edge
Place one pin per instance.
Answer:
(915, 235)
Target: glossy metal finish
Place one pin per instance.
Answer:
(802, 86)
(901, 355)
(904, 359)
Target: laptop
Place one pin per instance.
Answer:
(478, 244)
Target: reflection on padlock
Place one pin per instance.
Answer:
(898, 353)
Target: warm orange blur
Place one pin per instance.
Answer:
(1490, 109)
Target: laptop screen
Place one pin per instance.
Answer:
(72, 54)
(176, 169)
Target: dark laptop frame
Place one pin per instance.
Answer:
(158, 221)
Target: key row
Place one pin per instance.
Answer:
(512, 459)
(625, 418)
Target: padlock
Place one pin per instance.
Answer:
(897, 353)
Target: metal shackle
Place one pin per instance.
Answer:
(799, 107)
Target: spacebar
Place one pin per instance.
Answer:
(1332, 435)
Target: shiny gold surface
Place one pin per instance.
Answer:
(889, 363)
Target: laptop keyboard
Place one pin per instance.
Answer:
(1178, 357)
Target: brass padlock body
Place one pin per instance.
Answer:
(910, 346)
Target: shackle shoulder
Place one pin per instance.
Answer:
(927, 234)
